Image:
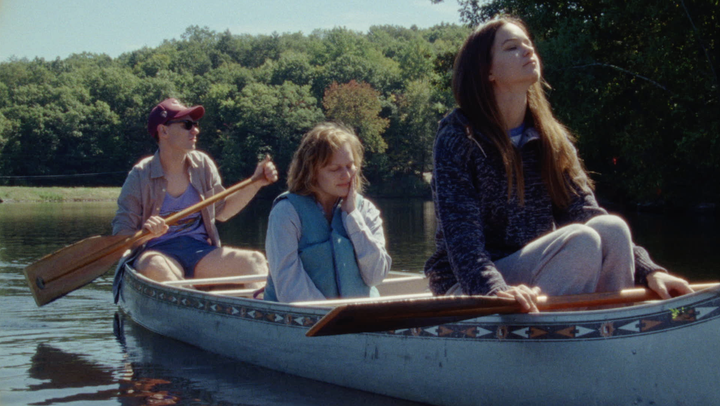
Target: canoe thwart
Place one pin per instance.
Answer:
(217, 281)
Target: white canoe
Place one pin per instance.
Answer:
(659, 353)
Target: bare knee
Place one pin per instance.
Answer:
(157, 267)
(248, 262)
(257, 262)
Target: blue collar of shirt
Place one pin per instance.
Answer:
(516, 135)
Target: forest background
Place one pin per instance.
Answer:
(635, 81)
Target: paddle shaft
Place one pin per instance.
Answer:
(548, 303)
(382, 316)
(129, 241)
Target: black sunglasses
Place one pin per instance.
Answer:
(187, 124)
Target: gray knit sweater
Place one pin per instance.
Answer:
(478, 225)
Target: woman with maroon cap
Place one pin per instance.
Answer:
(177, 177)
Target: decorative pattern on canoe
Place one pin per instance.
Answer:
(698, 312)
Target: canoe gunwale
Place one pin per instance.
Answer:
(642, 319)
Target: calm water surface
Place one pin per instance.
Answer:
(79, 351)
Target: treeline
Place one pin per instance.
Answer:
(87, 113)
(636, 81)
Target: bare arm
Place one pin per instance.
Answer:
(265, 174)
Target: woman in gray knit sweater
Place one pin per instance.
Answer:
(515, 208)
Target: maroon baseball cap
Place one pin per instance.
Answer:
(169, 109)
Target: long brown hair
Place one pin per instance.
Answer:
(316, 150)
(474, 94)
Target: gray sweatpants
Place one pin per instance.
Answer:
(579, 258)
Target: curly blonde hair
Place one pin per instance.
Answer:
(316, 150)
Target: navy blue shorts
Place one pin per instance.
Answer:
(187, 251)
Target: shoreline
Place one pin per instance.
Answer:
(27, 194)
(399, 188)
(80, 194)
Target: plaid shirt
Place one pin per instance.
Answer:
(144, 191)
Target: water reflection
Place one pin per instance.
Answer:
(172, 372)
(36, 229)
(59, 370)
(156, 370)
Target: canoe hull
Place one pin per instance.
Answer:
(650, 354)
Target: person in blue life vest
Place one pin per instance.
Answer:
(515, 207)
(176, 177)
(324, 239)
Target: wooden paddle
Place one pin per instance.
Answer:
(74, 266)
(365, 317)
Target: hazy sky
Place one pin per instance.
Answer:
(58, 28)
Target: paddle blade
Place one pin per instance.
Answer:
(74, 266)
(395, 315)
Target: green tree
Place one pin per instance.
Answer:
(358, 105)
(265, 119)
(88, 113)
(293, 67)
(5, 131)
(410, 146)
(638, 83)
(416, 60)
(262, 48)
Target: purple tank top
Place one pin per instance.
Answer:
(190, 226)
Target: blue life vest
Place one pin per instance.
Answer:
(326, 252)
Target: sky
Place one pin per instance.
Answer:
(58, 28)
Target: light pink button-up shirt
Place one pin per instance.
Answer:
(144, 191)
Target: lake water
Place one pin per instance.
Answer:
(79, 351)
